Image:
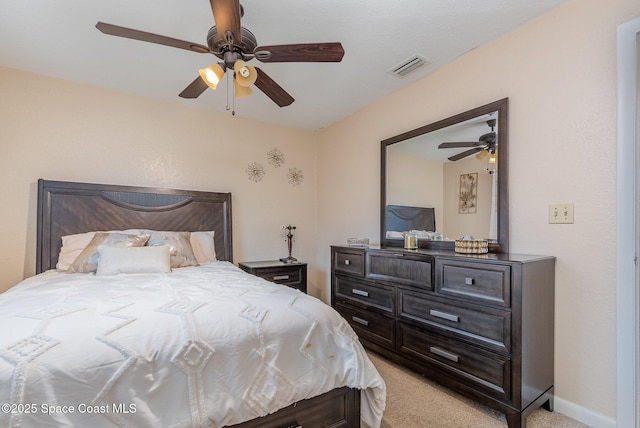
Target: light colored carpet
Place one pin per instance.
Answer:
(415, 402)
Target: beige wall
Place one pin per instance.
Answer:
(559, 74)
(59, 130)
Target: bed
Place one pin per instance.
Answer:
(401, 218)
(133, 344)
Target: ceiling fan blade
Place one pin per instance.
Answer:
(301, 52)
(455, 145)
(465, 154)
(195, 89)
(129, 33)
(227, 14)
(272, 89)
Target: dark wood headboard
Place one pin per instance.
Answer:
(401, 218)
(65, 208)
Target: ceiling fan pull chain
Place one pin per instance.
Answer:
(233, 99)
(233, 109)
(227, 106)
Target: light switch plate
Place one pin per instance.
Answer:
(561, 213)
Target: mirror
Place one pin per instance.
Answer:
(446, 191)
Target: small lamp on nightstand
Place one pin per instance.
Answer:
(289, 230)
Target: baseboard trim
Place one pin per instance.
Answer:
(582, 414)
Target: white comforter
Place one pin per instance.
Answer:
(199, 347)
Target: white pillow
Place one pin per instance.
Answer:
(204, 247)
(115, 260)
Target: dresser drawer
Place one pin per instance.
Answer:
(483, 283)
(293, 275)
(378, 296)
(282, 275)
(490, 328)
(482, 370)
(349, 262)
(401, 268)
(368, 325)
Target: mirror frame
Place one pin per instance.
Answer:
(502, 107)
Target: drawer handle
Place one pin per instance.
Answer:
(444, 315)
(445, 354)
(468, 281)
(280, 277)
(360, 321)
(347, 262)
(360, 292)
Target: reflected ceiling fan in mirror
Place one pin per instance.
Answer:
(486, 144)
(235, 46)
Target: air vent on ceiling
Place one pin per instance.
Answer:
(409, 65)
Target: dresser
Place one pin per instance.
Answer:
(293, 275)
(481, 325)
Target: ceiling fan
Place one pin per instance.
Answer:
(235, 46)
(486, 143)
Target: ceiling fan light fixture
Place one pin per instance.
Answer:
(492, 157)
(481, 155)
(213, 74)
(246, 75)
(241, 91)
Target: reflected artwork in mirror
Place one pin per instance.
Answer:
(425, 184)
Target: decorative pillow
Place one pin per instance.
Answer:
(72, 246)
(204, 247)
(115, 260)
(88, 259)
(179, 247)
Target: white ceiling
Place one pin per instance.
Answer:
(58, 38)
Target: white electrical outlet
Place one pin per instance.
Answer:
(561, 213)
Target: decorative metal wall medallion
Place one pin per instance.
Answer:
(295, 176)
(255, 171)
(276, 157)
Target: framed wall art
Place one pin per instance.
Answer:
(468, 199)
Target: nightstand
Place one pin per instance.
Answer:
(293, 275)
